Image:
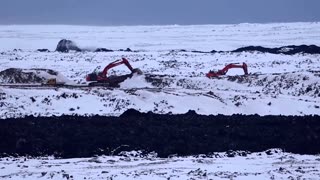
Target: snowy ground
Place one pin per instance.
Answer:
(278, 84)
(272, 164)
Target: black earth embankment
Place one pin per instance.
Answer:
(286, 50)
(65, 45)
(187, 134)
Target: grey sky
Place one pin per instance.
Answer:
(145, 12)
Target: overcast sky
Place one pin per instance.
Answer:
(153, 12)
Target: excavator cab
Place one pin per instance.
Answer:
(94, 75)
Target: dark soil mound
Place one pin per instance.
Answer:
(103, 50)
(16, 75)
(43, 50)
(74, 136)
(126, 50)
(65, 45)
(288, 50)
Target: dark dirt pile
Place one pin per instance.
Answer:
(65, 45)
(287, 50)
(14, 75)
(186, 134)
(17, 75)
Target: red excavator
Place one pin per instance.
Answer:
(102, 78)
(213, 74)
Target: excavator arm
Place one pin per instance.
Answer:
(223, 71)
(102, 77)
(114, 64)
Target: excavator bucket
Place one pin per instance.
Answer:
(138, 71)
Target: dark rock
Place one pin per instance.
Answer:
(128, 50)
(33, 99)
(103, 50)
(195, 51)
(64, 95)
(65, 45)
(43, 50)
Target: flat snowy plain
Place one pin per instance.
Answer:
(276, 165)
(279, 84)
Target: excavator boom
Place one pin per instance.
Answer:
(114, 64)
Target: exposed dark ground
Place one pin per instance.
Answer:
(65, 45)
(187, 134)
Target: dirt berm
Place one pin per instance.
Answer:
(186, 134)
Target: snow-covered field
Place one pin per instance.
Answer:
(272, 164)
(155, 38)
(282, 84)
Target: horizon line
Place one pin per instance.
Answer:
(122, 25)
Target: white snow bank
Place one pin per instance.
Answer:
(136, 81)
(277, 165)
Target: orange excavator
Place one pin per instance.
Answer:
(102, 78)
(213, 74)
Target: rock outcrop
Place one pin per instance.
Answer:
(65, 45)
